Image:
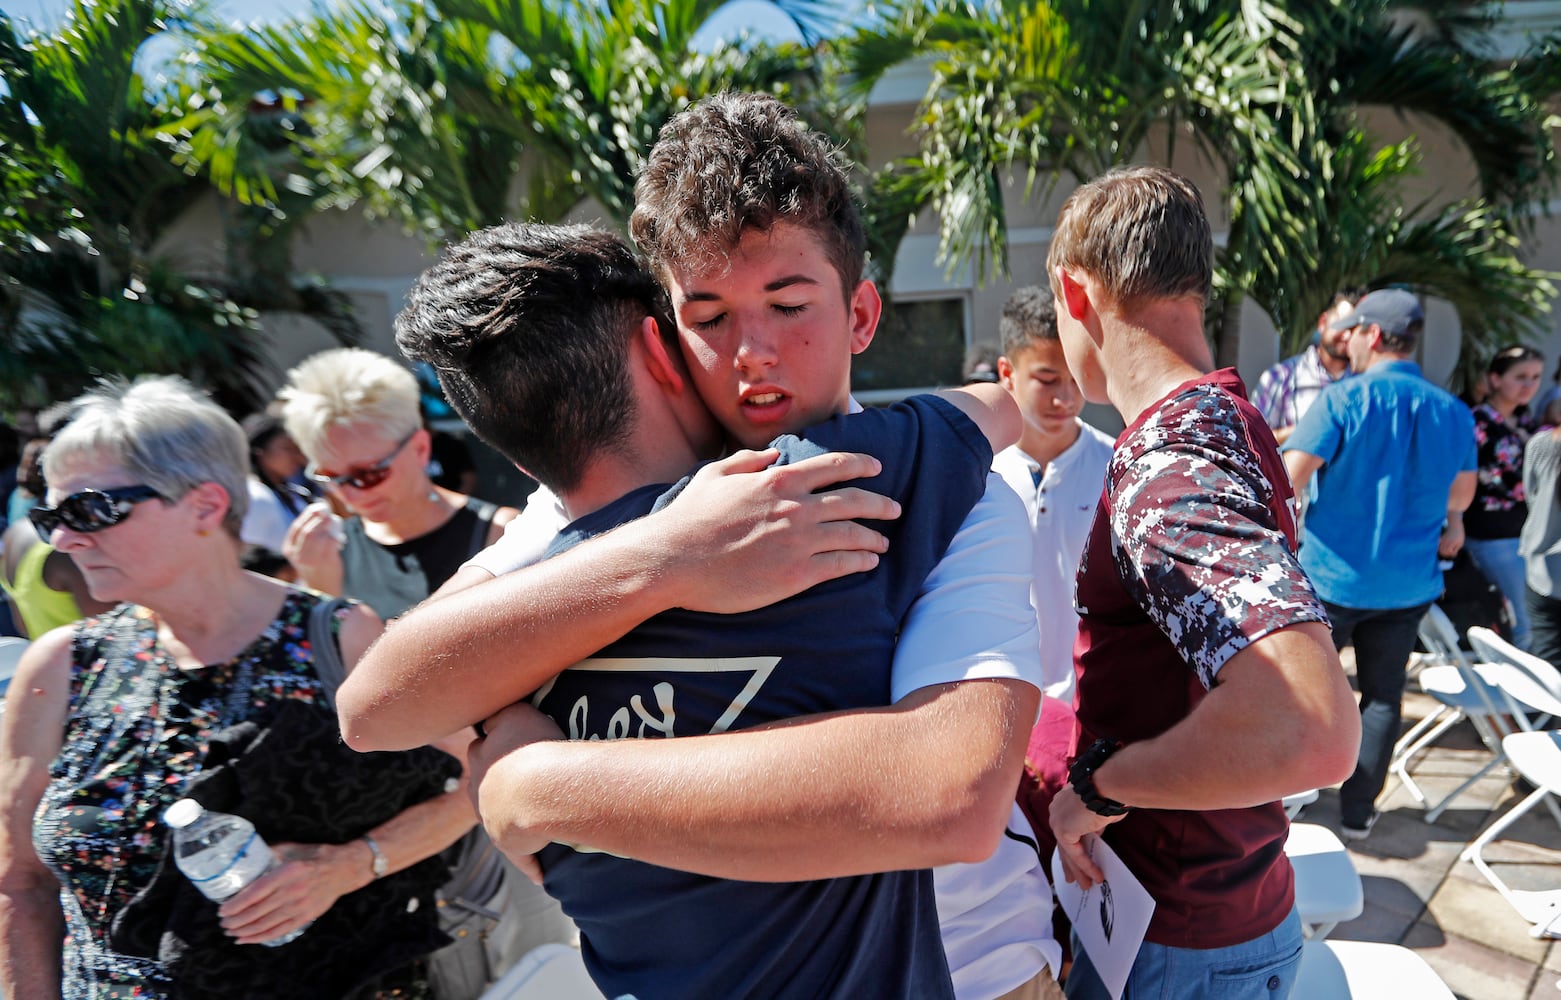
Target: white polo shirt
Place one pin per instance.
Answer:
(1061, 508)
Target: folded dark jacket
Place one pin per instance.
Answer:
(292, 776)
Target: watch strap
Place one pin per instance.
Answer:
(381, 865)
(1081, 775)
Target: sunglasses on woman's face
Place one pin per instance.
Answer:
(365, 478)
(90, 510)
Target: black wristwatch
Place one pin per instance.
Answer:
(1081, 775)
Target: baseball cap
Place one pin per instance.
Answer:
(1393, 309)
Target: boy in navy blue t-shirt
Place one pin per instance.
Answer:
(770, 307)
(647, 929)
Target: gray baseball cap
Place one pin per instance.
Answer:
(1393, 309)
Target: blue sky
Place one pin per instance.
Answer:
(46, 12)
(756, 16)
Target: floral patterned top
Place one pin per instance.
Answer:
(135, 735)
(1500, 504)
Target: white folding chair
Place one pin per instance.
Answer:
(1293, 804)
(1463, 690)
(1536, 756)
(1530, 687)
(1327, 887)
(547, 972)
(1344, 970)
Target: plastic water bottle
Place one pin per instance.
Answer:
(220, 853)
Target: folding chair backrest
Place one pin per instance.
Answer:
(1440, 638)
(1540, 669)
(1533, 681)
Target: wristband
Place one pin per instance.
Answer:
(1081, 775)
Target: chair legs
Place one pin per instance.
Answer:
(1417, 738)
(1435, 811)
(1555, 810)
(1424, 733)
(1540, 908)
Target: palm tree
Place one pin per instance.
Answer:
(1267, 91)
(598, 80)
(1465, 252)
(436, 113)
(83, 292)
(77, 101)
(80, 124)
(1079, 87)
(386, 106)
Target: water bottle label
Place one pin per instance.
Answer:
(249, 862)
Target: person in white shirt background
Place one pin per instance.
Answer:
(1058, 468)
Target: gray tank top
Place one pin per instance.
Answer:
(392, 578)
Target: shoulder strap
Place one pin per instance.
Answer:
(485, 512)
(323, 644)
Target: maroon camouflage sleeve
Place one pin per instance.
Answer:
(1195, 540)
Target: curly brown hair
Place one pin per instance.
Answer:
(739, 162)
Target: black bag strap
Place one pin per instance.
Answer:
(484, 511)
(322, 643)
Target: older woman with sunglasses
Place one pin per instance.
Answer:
(110, 720)
(355, 415)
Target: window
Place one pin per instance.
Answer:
(920, 343)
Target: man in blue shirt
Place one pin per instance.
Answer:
(1395, 463)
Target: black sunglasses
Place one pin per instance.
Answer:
(365, 478)
(90, 510)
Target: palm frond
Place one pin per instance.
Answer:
(592, 84)
(1468, 254)
(1539, 69)
(891, 201)
(1491, 110)
(94, 118)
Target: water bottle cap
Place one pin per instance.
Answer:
(182, 813)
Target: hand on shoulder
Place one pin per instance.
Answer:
(745, 533)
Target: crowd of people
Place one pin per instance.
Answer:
(774, 695)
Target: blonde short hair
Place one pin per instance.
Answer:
(348, 387)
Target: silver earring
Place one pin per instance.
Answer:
(433, 495)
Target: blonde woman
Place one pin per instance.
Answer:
(355, 415)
